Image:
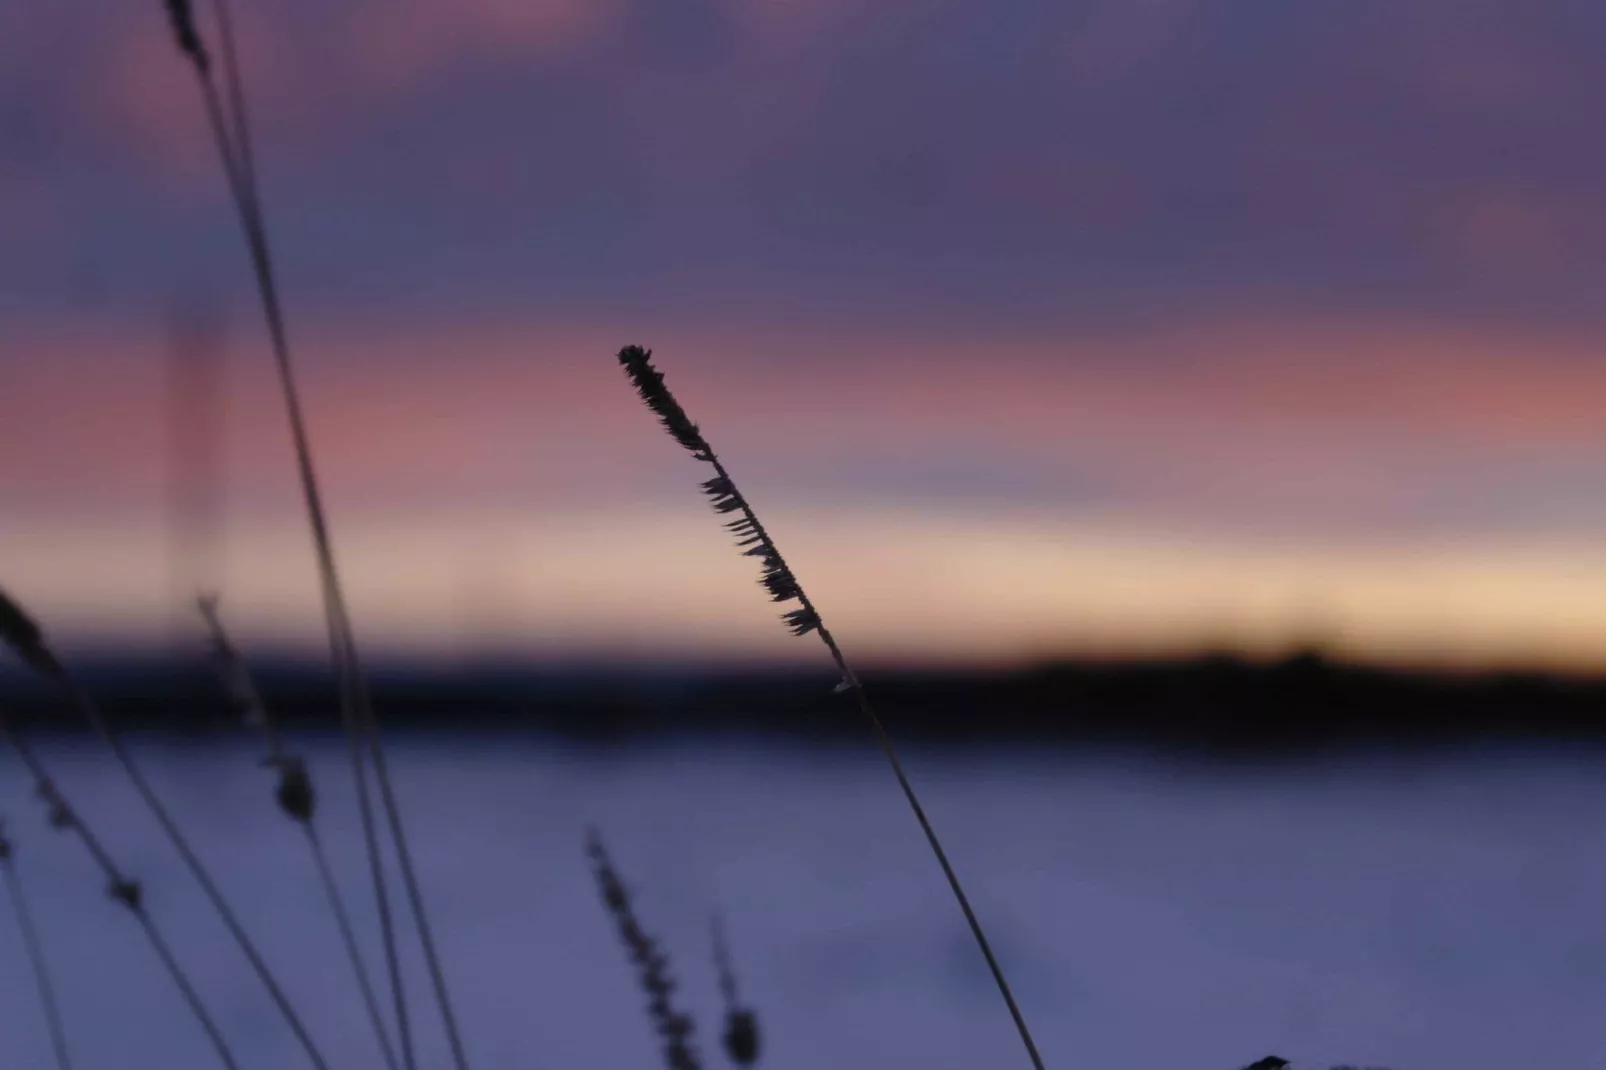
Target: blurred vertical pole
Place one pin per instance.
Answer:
(195, 446)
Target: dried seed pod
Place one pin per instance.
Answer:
(182, 18)
(295, 793)
(128, 893)
(238, 686)
(57, 812)
(741, 1036)
(741, 1024)
(23, 635)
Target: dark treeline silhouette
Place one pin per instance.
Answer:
(1305, 701)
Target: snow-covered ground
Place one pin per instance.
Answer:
(1422, 914)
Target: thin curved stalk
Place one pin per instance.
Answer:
(741, 1038)
(35, 949)
(296, 798)
(27, 640)
(87, 709)
(778, 579)
(348, 937)
(356, 705)
(123, 889)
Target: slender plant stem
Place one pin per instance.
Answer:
(237, 157)
(87, 709)
(415, 894)
(937, 849)
(355, 699)
(296, 798)
(122, 888)
(722, 962)
(885, 739)
(376, 862)
(349, 937)
(741, 1037)
(342, 644)
(186, 987)
(36, 957)
(245, 153)
(782, 584)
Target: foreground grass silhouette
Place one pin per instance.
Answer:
(778, 580)
(226, 115)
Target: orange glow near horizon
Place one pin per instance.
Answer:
(1265, 494)
(896, 587)
(1121, 329)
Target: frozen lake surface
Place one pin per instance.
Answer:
(1419, 913)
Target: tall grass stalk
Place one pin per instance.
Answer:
(297, 798)
(35, 949)
(231, 135)
(26, 638)
(676, 1028)
(121, 888)
(777, 578)
(125, 890)
(231, 132)
(741, 1024)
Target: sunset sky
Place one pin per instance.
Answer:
(1031, 328)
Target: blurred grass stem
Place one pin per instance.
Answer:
(121, 888)
(235, 151)
(35, 950)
